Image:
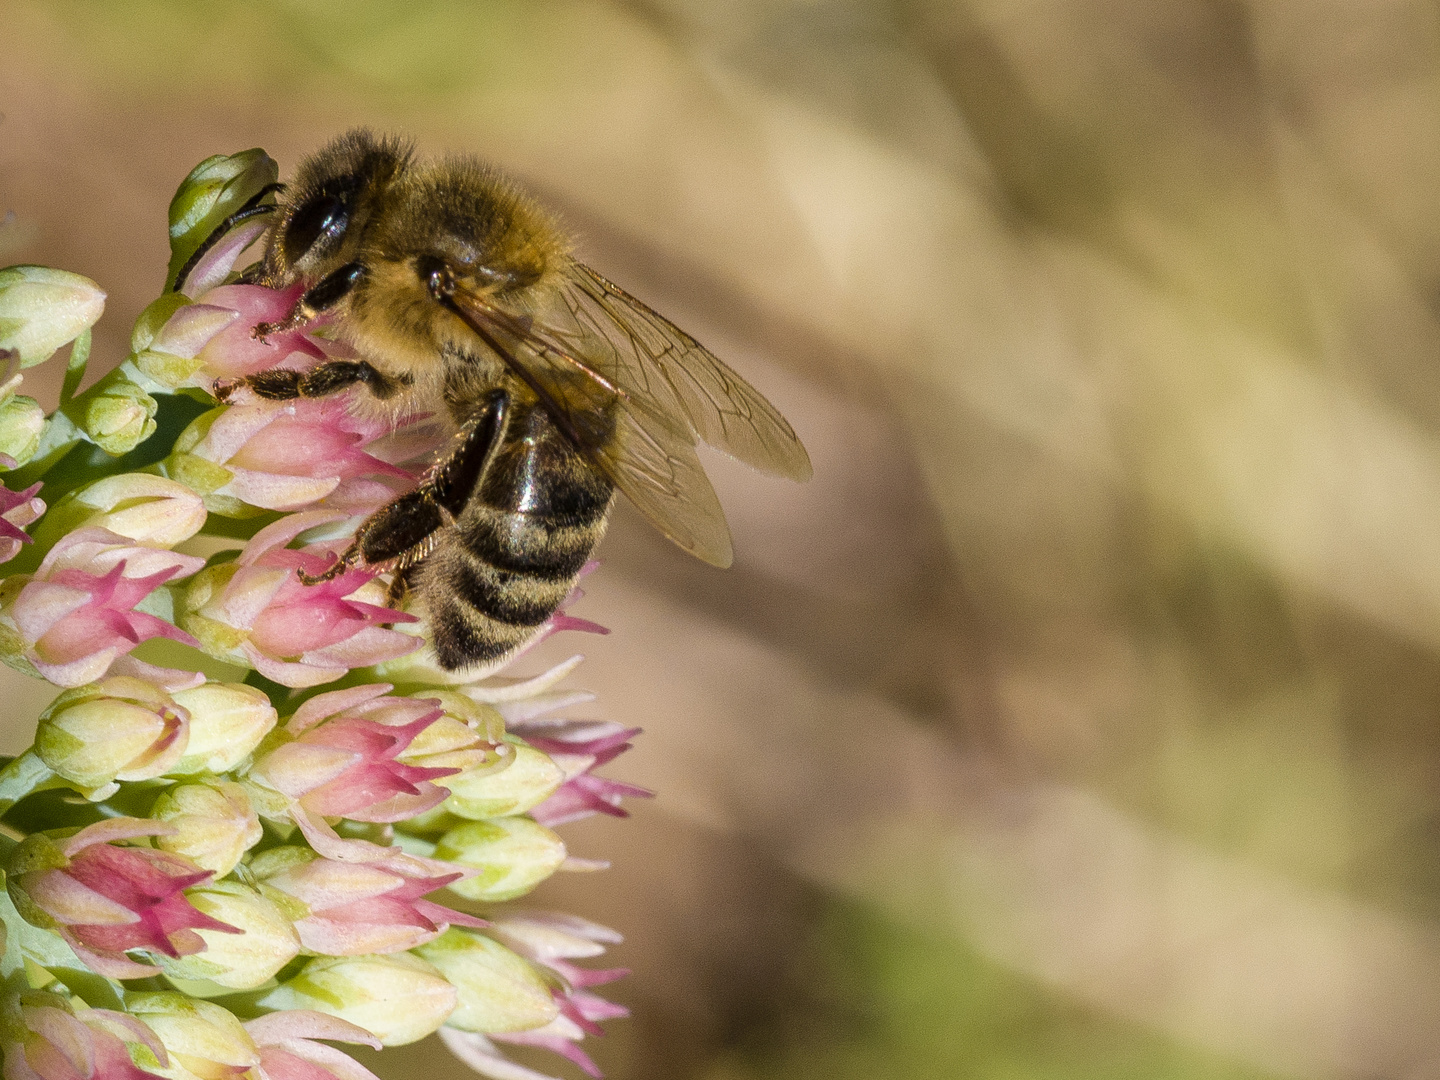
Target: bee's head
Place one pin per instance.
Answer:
(327, 205)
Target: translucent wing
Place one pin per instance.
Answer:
(647, 451)
(648, 357)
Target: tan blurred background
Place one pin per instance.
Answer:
(1080, 718)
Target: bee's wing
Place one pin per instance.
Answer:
(647, 356)
(648, 453)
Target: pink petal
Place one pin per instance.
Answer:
(369, 645)
(215, 265)
(249, 593)
(169, 679)
(189, 329)
(41, 604)
(111, 830)
(335, 701)
(274, 491)
(279, 533)
(306, 1024)
(562, 1046)
(76, 672)
(295, 676)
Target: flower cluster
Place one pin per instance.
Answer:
(257, 815)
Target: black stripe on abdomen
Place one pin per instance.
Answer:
(526, 544)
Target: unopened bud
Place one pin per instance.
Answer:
(215, 188)
(498, 990)
(41, 309)
(148, 509)
(512, 855)
(214, 824)
(529, 779)
(119, 418)
(236, 961)
(398, 998)
(119, 728)
(21, 422)
(203, 1039)
(227, 722)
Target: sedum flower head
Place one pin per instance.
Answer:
(207, 825)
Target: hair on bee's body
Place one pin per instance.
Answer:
(461, 298)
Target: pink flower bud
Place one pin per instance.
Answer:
(42, 1038)
(358, 908)
(255, 611)
(76, 614)
(340, 762)
(235, 352)
(279, 455)
(105, 899)
(17, 509)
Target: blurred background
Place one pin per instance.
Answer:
(1079, 719)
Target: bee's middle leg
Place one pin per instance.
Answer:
(284, 384)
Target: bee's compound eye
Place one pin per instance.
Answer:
(323, 215)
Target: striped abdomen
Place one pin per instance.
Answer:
(517, 546)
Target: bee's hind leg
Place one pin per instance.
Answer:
(402, 531)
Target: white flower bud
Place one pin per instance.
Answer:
(512, 854)
(41, 309)
(119, 728)
(227, 722)
(203, 1040)
(498, 991)
(148, 509)
(529, 779)
(242, 961)
(398, 998)
(214, 824)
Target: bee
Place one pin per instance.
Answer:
(460, 297)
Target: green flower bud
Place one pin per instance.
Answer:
(398, 998)
(529, 779)
(203, 1040)
(237, 961)
(214, 824)
(214, 190)
(119, 418)
(41, 309)
(227, 722)
(21, 422)
(115, 729)
(498, 991)
(513, 855)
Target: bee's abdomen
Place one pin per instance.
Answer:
(501, 571)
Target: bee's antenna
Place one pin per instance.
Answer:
(252, 209)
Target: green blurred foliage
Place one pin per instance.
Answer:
(873, 1000)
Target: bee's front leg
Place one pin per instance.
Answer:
(324, 295)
